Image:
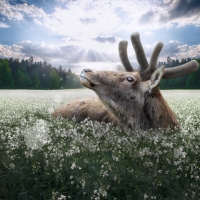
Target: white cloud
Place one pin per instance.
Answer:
(92, 18)
(3, 25)
(37, 22)
(77, 57)
(189, 51)
(20, 11)
(56, 55)
(108, 38)
(90, 30)
(178, 50)
(76, 21)
(10, 11)
(13, 51)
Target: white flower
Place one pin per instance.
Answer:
(62, 197)
(73, 166)
(145, 196)
(95, 191)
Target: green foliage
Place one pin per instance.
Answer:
(55, 80)
(19, 77)
(50, 158)
(35, 75)
(35, 80)
(6, 79)
(22, 79)
(38, 75)
(191, 81)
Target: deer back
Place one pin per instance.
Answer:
(87, 108)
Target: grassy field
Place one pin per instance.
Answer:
(46, 158)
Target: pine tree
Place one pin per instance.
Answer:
(6, 80)
(193, 80)
(55, 80)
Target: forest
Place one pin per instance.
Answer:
(191, 81)
(27, 74)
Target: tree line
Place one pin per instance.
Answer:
(27, 74)
(191, 81)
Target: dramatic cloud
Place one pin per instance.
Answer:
(186, 51)
(13, 51)
(147, 17)
(78, 20)
(85, 33)
(41, 50)
(78, 58)
(180, 12)
(183, 8)
(175, 50)
(104, 39)
(70, 54)
(171, 49)
(20, 11)
(88, 17)
(171, 12)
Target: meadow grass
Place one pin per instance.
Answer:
(46, 158)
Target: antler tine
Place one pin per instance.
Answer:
(154, 56)
(181, 70)
(123, 56)
(153, 62)
(139, 51)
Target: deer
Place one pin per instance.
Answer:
(130, 99)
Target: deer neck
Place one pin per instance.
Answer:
(154, 113)
(131, 116)
(137, 121)
(159, 113)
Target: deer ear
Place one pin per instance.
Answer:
(156, 78)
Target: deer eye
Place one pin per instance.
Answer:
(130, 79)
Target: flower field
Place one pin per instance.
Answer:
(43, 158)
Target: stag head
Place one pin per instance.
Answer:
(134, 96)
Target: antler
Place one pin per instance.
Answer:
(153, 62)
(181, 70)
(147, 69)
(124, 57)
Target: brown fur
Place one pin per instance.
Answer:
(159, 112)
(90, 108)
(138, 105)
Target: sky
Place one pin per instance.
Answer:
(80, 34)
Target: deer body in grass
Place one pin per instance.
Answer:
(128, 99)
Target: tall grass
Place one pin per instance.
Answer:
(46, 158)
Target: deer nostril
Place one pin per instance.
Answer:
(87, 70)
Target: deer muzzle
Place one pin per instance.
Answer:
(85, 78)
